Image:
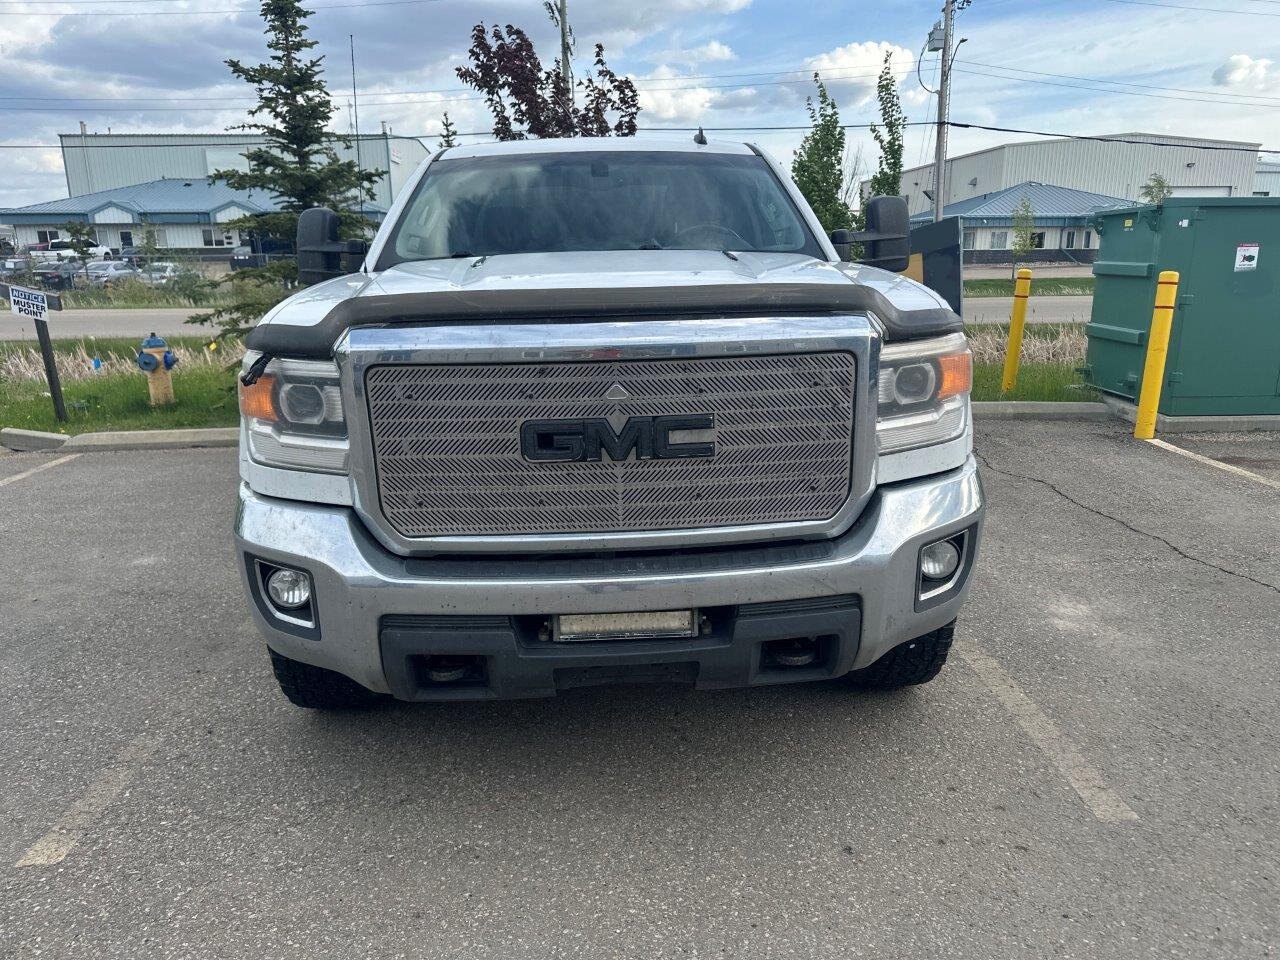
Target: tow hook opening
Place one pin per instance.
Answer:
(797, 653)
(449, 670)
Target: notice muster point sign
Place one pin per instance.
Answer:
(34, 305)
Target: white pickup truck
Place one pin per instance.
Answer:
(604, 411)
(56, 250)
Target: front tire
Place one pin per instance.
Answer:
(908, 664)
(318, 689)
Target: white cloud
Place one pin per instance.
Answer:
(850, 71)
(672, 102)
(1242, 70)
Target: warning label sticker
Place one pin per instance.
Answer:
(1247, 256)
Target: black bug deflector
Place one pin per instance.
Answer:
(695, 301)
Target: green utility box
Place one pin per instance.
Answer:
(1224, 354)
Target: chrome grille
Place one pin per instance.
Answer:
(446, 441)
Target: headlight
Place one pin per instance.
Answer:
(924, 393)
(294, 418)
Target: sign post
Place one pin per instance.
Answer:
(35, 306)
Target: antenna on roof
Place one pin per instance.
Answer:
(700, 138)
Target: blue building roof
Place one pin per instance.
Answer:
(159, 201)
(1051, 204)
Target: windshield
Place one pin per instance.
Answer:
(99, 268)
(546, 203)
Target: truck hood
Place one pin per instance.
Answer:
(544, 286)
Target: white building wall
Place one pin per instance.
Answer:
(179, 236)
(1266, 180)
(1109, 168)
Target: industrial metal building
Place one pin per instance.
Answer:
(103, 161)
(1266, 181)
(1194, 167)
(1064, 230)
(191, 217)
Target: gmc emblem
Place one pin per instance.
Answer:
(592, 439)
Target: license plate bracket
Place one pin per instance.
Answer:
(647, 625)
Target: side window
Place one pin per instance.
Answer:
(1088, 239)
(1070, 242)
(970, 239)
(1037, 240)
(999, 239)
(126, 238)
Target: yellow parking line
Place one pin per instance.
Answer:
(1209, 461)
(1103, 802)
(5, 481)
(54, 846)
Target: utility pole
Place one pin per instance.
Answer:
(944, 96)
(566, 67)
(355, 113)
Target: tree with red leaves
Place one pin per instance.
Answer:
(527, 100)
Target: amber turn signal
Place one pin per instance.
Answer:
(258, 399)
(956, 371)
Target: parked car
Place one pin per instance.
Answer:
(161, 274)
(11, 266)
(57, 274)
(106, 273)
(64, 250)
(243, 258)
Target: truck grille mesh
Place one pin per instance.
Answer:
(446, 442)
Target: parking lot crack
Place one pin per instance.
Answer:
(1013, 475)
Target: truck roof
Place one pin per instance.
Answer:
(667, 144)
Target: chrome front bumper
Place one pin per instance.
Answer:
(360, 586)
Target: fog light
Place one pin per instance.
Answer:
(938, 561)
(289, 589)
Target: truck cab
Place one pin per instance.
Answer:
(604, 411)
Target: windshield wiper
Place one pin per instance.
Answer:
(651, 245)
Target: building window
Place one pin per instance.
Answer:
(214, 238)
(970, 239)
(46, 236)
(1070, 242)
(126, 238)
(999, 240)
(1262, 193)
(158, 237)
(1037, 240)
(1088, 239)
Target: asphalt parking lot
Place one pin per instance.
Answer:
(1093, 775)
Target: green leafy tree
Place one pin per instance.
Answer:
(1024, 226)
(298, 164)
(82, 240)
(818, 166)
(1155, 190)
(448, 132)
(887, 181)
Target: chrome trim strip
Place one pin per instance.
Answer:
(361, 348)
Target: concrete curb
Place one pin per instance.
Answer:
(1039, 410)
(152, 439)
(23, 441)
(1226, 423)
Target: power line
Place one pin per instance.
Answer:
(1178, 6)
(1123, 83)
(1127, 93)
(837, 73)
(203, 13)
(1219, 148)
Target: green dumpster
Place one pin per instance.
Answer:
(1224, 355)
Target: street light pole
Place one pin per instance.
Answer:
(566, 69)
(944, 97)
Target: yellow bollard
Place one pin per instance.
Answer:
(1144, 426)
(1013, 349)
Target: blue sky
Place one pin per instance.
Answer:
(1037, 64)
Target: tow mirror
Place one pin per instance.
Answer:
(322, 255)
(887, 239)
(842, 240)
